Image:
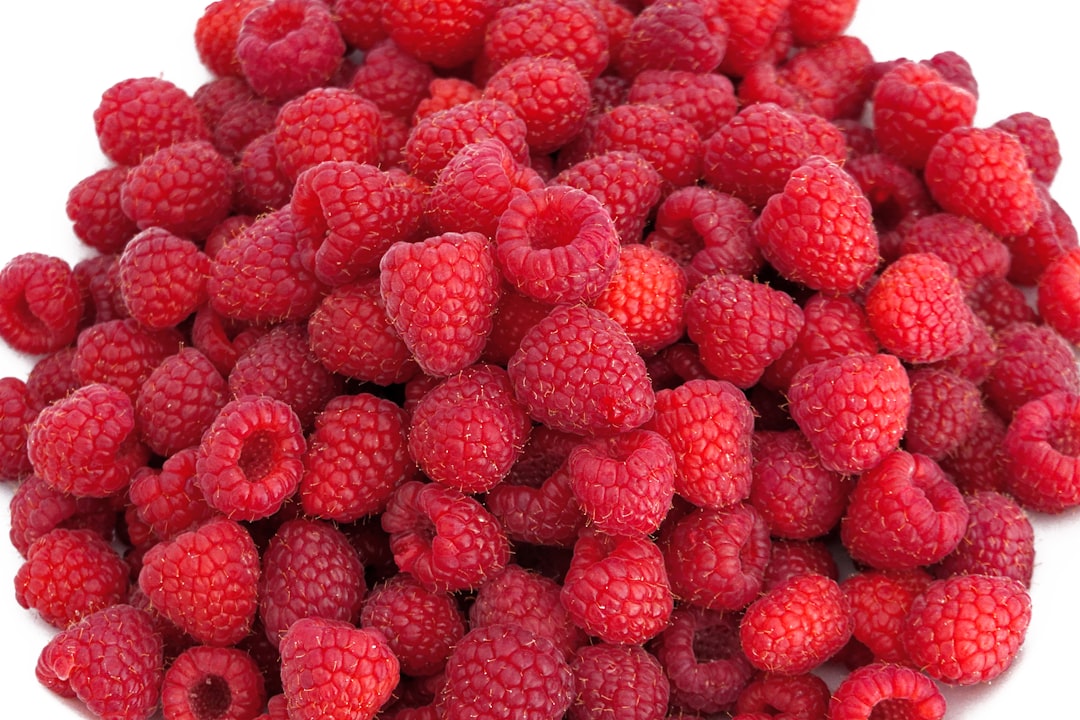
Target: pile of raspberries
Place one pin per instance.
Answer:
(544, 359)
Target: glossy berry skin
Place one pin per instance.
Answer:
(204, 681)
(326, 124)
(1058, 300)
(445, 36)
(571, 30)
(802, 695)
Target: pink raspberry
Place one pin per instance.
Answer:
(879, 686)
(207, 679)
(326, 123)
(93, 206)
(178, 401)
(447, 36)
(685, 35)
(1042, 467)
(162, 277)
(40, 303)
(568, 29)
(548, 93)
(624, 681)
(999, 540)
(663, 138)
(441, 135)
(625, 183)
(139, 116)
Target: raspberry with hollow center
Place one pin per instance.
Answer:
(209, 682)
(883, 687)
(40, 303)
(1042, 462)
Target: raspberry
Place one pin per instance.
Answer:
(700, 653)
(716, 558)
(625, 183)
(791, 558)
(853, 408)
(178, 401)
(999, 540)
(170, 500)
(139, 116)
(577, 371)
(121, 353)
(330, 668)
(663, 138)
(972, 251)
(979, 462)
(444, 36)
(1040, 142)
(286, 48)
(98, 276)
(204, 682)
(439, 136)
(262, 185)
(998, 303)
(440, 295)
(216, 32)
(222, 339)
(705, 100)
(880, 601)
(817, 21)
(445, 539)
(883, 687)
(1051, 235)
(897, 196)
(40, 303)
(506, 671)
(93, 206)
(1057, 299)
(204, 580)
(819, 230)
(18, 409)
(547, 93)
(557, 244)
(1032, 360)
(944, 410)
(326, 123)
(111, 660)
(567, 29)
(967, 629)
(309, 569)
(1041, 461)
(684, 35)
(983, 174)
(797, 626)
(37, 508)
(616, 588)
(392, 78)
(162, 278)
(618, 681)
(446, 92)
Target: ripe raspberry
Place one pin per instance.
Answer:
(983, 174)
(753, 25)
(222, 339)
(441, 135)
(944, 410)
(503, 671)
(446, 92)
(1032, 360)
(577, 371)
(1057, 297)
(392, 78)
(967, 629)
(547, 93)
(98, 276)
(616, 589)
(440, 295)
(979, 463)
(40, 303)
(178, 401)
(853, 408)
(309, 569)
(111, 660)
(897, 196)
(819, 230)
(666, 140)
(169, 500)
(795, 627)
(791, 558)
(287, 48)
(999, 540)
(37, 508)
(625, 183)
(798, 696)
(683, 35)
(330, 668)
(162, 278)
(998, 303)
(883, 687)
(93, 206)
(618, 681)
(567, 29)
(444, 36)
(880, 601)
(216, 32)
(326, 123)
(18, 409)
(205, 580)
(1042, 468)
(705, 100)
(1040, 142)
(972, 251)
(121, 353)
(262, 186)
(204, 682)
(700, 653)
(445, 539)
(139, 116)
(1051, 235)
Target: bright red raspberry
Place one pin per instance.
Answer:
(40, 303)
(568, 29)
(37, 508)
(139, 116)
(178, 401)
(507, 671)
(1032, 360)
(204, 682)
(979, 462)
(853, 408)
(1040, 142)
(445, 92)
(998, 303)
(741, 326)
(797, 626)
(169, 500)
(440, 295)
(701, 655)
(216, 32)
(441, 135)
(240, 123)
(1051, 235)
(819, 230)
(817, 21)
(999, 540)
(753, 26)
(625, 183)
(93, 206)
(309, 569)
(663, 138)
(547, 93)
(577, 371)
(1057, 296)
(944, 410)
(896, 193)
(683, 35)
(111, 660)
(331, 668)
(982, 173)
(1042, 467)
(972, 251)
(879, 687)
(444, 538)
(162, 277)
(205, 581)
(446, 36)
(618, 681)
(880, 601)
(121, 353)
(967, 629)
(18, 409)
(515, 314)
(705, 100)
(392, 78)
(288, 47)
(791, 558)
(52, 377)
(99, 278)
(616, 589)
(359, 22)
(326, 123)
(261, 184)
(222, 339)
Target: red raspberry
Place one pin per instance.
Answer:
(716, 558)
(37, 508)
(913, 106)
(1057, 297)
(616, 589)
(162, 278)
(853, 408)
(99, 278)
(18, 409)
(288, 47)
(568, 29)
(309, 569)
(139, 116)
(753, 23)
(791, 558)
(797, 696)
(979, 463)
(944, 410)
(446, 36)
(999, 540)
(1040, 142)
(330, 668)
(218, 95)
(819, 230)
(392, 78)
(577, 371)
(741, 326)
(880, 601)
(982, 173)
(359, 22)
(967, 629)
(440, 295)
(700, 653)
(998, 303)
(85, 444)
(205, 580)
(663, 138)
(817, 21)
(216, 32)
(52, 377)
(445, 539)
(1041, 463)
(685, 35)
(217, 682)
(93, 206)
(797, 626)
(40, 303)
(178, 401)
(548, 93)
(262, 186)
(1032, 360)
(973, 252)
(503, 671)
(111, 660)
(242, 122)
(326, 123)
(439, 136)
(880, 687)
(709, 424)
(625, 183)
(705, 100)
(618, 681)
(1051, 235)
(421, 626)
(897, 196)
(169, 500)
(446, 92)
(121, 353)
(222, 339)
(514, 315)
(357, 454)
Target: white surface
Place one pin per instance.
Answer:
(58, 59)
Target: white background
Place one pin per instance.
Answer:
(58, 58)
